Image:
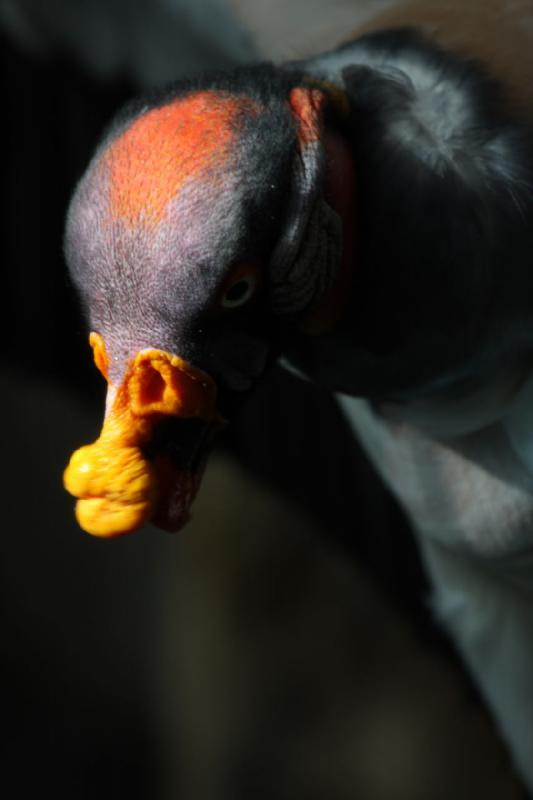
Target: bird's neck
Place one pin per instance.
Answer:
(339, 193)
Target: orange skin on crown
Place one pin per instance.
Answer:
(168, 146)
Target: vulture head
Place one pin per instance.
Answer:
(205, 230)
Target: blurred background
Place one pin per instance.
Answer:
(282, 646)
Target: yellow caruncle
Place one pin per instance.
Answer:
(114, 481)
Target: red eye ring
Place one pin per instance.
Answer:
(240, 286)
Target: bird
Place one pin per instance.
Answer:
(365, 216)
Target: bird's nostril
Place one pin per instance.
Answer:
(151, 388)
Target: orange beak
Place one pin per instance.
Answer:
(118, 487)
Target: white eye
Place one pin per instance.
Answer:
(239, 292)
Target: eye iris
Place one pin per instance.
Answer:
(239, 292)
